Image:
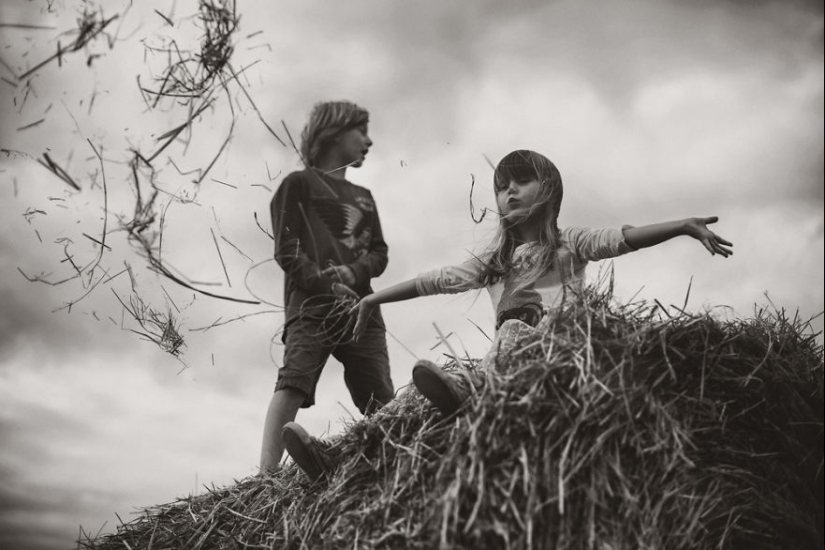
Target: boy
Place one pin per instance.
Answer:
(328, 241)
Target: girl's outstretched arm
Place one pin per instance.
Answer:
(396, 293)
(651, 235)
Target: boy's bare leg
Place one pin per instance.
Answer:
(282, 409)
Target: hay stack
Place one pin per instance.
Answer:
(621, 428)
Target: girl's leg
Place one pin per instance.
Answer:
(509, 335)
(446, 390)
(449, 390)
(282, 409)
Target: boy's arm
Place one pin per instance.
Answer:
(651, 235)
(288, 217)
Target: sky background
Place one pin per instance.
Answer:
(652, 110)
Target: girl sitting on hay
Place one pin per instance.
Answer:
(530, 270)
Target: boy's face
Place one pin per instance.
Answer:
(352, 145)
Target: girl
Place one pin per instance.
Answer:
(531, 267)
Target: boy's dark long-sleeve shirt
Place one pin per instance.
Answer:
(319, 221)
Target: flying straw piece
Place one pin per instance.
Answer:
(89, 26)
(223, 264)
(53, 167)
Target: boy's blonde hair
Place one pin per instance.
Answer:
(327, 120)
(516, 165)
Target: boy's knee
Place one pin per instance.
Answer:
(288, 393)
(297, 389)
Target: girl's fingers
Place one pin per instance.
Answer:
(713, 242)
(708, 245)
(360, 325)
(719, 239)
(721, 249)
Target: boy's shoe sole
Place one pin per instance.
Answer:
(303, 450)
(438, 387)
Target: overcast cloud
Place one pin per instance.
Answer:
(652, 110)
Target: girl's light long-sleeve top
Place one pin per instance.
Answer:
(578, 247)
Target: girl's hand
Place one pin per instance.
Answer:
(340, 273)
(697, 228)
(363, 310)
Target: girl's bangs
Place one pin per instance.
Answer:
(519, 169)
(525, 164)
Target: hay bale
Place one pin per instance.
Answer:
(618, 428)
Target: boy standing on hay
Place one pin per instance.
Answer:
(329, 242)
(531, 270)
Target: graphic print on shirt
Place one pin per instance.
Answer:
(517, 299)
(515, 296)
(346, 222)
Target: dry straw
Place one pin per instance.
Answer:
(620, 428)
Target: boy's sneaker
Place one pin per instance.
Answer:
(311, 454)
(444, 390)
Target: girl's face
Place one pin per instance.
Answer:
(516, 199)
(352, 146)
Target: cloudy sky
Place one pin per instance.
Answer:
(652, 110)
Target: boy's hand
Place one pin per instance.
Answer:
(340, 273)
(363, 310)
(697, 228)
(343, 291)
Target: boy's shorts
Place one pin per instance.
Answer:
(366, 363)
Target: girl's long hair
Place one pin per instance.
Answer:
(498, 262)
(327, 120)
